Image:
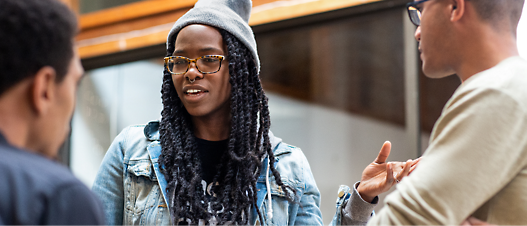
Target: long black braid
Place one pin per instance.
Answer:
(235, 192)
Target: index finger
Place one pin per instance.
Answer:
(416, 161)
(384, 153)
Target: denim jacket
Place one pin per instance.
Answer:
(133, 189)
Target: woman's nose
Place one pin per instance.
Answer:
(193, 72)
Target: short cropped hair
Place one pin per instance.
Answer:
(497, 11)
(34, 34)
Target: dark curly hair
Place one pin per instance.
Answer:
(240, 166)
(34, 34)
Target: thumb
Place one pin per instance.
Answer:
(384, 153)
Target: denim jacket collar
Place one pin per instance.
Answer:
(152, 133)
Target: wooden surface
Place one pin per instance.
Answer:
(147, 23)
(282, 10)
(132, 11)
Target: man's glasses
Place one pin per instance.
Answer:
(208, 64)
(414, 12)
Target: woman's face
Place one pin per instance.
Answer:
(209, 94)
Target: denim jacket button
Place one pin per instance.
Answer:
(343, 189)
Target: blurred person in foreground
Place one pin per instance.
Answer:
(39, 73)
(476, 163)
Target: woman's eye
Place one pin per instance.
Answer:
(180, 61)
(210, 59)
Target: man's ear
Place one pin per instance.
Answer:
(457, 9)
(42, 89)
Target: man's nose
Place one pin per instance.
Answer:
(417, 33)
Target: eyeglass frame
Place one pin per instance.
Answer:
(414, 5)
(220, 57)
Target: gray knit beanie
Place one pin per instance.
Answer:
(230, 15)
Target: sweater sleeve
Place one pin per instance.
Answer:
(357, 211)
(476, 149)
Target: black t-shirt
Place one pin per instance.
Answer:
(35, 190)
(210, 153)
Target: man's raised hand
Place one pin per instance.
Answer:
(379, 176)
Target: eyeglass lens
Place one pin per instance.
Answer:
(204, 65)
(415, 15)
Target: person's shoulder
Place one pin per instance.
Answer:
(134, 140)
(149, 131)
(510, 74)
(34, 175)
(285, 148)
(39, 183)
(505, 82)
(293, 165)
(289, 154)
(132, 132)
(33, 166)
(280, 147)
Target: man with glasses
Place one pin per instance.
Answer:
(476, 163)
(39, 73)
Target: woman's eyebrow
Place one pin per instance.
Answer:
(210, 49)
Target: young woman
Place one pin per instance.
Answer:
(211, 159)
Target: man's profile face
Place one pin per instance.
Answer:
(434, 37)
(65, 92)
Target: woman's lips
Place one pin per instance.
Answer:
(194, 95)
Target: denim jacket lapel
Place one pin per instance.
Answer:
(154, 150)
(151, 131)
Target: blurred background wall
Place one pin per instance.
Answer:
(342, 77)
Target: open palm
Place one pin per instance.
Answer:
(379, 176)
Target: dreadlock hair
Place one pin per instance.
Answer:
(235, 183)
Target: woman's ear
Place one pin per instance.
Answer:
(43, 89)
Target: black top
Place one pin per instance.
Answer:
(210, 153)
(35, 190)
